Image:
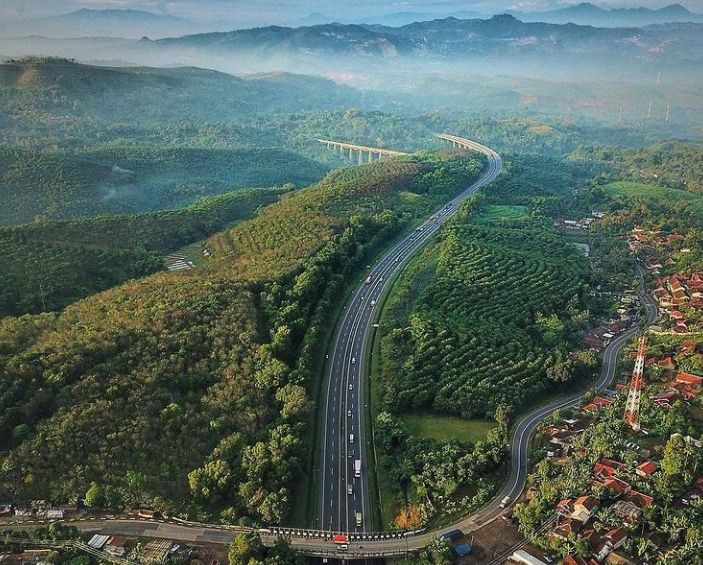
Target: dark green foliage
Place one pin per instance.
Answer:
(671, 164)
(488, 325)
(128, 179)
(440, 477)
(48, 265)
(192, 386)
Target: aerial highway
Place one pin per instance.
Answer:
(343, 415)
(344, 452)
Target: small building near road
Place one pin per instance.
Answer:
(156, 551)
(98, 541)
(523, 558)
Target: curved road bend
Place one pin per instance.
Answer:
(316, 542)
(342, 495)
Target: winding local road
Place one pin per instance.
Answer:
(343, 417)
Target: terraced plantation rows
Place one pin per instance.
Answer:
(492, 319)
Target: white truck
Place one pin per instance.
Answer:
(357, 468)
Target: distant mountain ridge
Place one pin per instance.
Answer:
(586, 13)
(451, 38)
(92, 22)
(124, 15)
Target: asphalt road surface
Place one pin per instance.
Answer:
(343, 416)
(344, 495)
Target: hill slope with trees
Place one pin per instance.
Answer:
(197, 385)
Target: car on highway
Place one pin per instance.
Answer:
(350, 488)
(506, 500)
(373, 302)
(351, 386)
(353, 360)
(350, 453)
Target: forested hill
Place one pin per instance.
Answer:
(193, 386)
(133, 179)
(48, 265)
(117, 93)
(449, 38)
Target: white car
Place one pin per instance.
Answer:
(353, 360)
(350, 488)
(351, 386)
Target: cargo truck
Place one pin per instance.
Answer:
(357, 468)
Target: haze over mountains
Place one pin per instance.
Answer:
(589, 14)
(132, 23)
(126, 23)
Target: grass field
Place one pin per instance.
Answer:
(501, 213)
(444, 427)
(656, 193)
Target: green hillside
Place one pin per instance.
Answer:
(194, 386)
(129, 179)
(48, 265)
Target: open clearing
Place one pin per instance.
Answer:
(444, 427)
(501, 213)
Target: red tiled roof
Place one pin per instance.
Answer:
(588, 502)
(647, 467)
(616, 485)
(689, 379)
(603, 470)
(639, 499)
(601, 401)
(666, 362)
(616, 535)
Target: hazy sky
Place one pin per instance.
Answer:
(276, 11)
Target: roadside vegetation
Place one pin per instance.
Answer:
(191, 390)
(484, 321)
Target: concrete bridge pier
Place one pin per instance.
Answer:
(363, 155)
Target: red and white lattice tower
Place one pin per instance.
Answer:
(632, 405)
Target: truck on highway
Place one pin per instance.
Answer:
(342, 541)
(358, 519)
(357, 468)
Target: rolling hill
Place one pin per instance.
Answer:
(135, 179)
(177, 93)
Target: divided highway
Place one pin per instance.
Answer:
(343, 418)
(345, 460)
